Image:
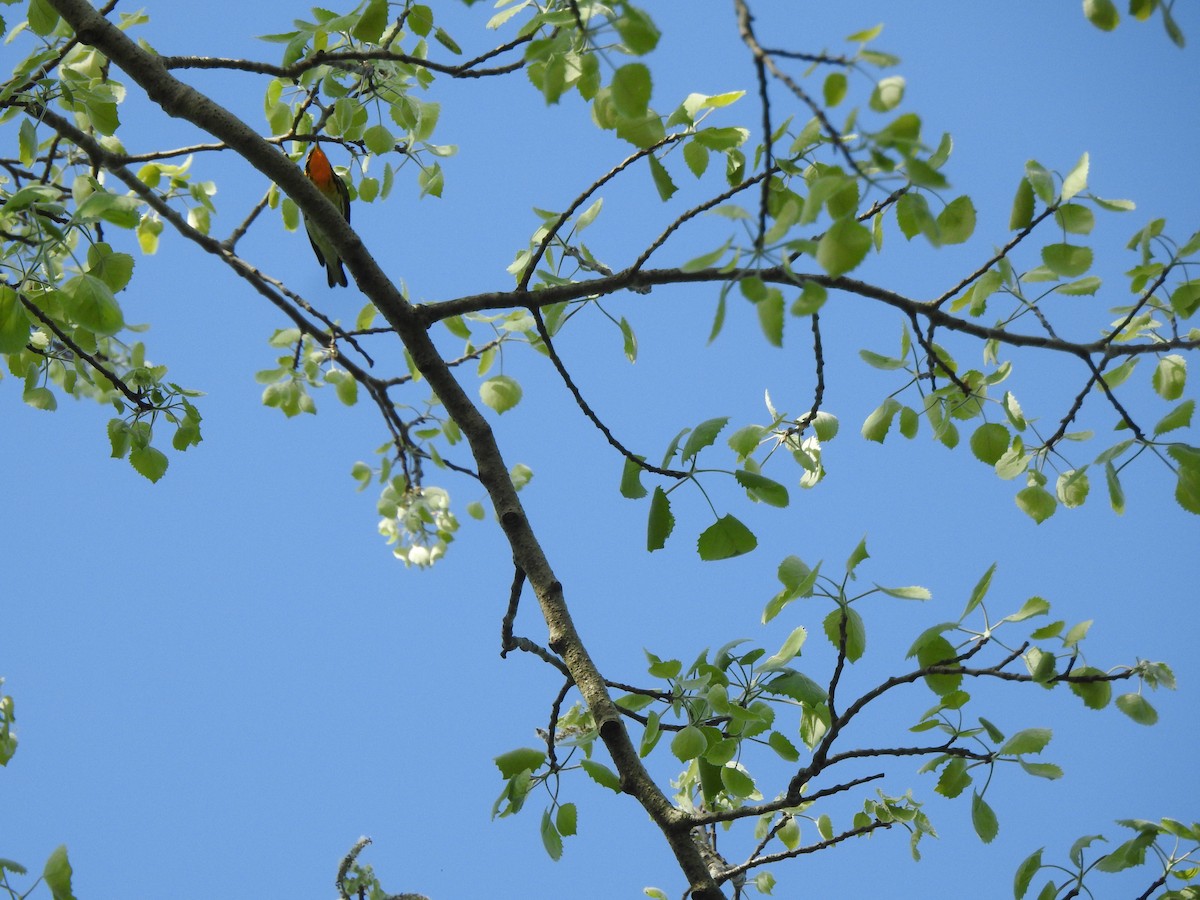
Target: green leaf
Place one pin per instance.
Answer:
(631, 480)
(1042, 770)
(631, 90)
(14, 323)
(551, 839)
(834, 89)
(379, 140)
(989, 442)
(789, 650)
(500, 392)
(1075, 218)
(1067, 260)
(1179, 417)
(705, 261)
(1037, 503)
(688, 743)
(856, 632)
(843, 246)
(798, 686)
(514, 762)
(936, 651)
(638, 32)
(566, 819)
(1034, 606)
(57, 874)
(914, 217)
(1137, 708)
(662, 180)
(1076, 179)
(628, 340)
(879, 361)
(910, 592)
(370, 25)
(1022, 208)
(759, 487)
(1040, 180)
(770, 317)
(1095, 694)
(1101, 13)
(1030, 740)
(703, 435)
(875, 428)
(149, 462)
(92, 304)
(661, 522)
(928, 635)
(956, 222)
(737, 783)
(888, 94)
(601, 774)
(979, 591)
(954, 778)
(1170, 376)
(1072, 488)
(1081, 287)
(725, 539)
(983, 819)
(785, 749)
(1025, 873)
(858, 555)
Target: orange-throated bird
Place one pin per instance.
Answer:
(321, 173)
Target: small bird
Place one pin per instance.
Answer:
(321, 173)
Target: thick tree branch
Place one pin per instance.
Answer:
(180, 100)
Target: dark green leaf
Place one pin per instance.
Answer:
(661, 522)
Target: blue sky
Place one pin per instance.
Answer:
(222, 680)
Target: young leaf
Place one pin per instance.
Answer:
(500, 392)
(789, 650)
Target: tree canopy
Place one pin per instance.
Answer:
(651, 315)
